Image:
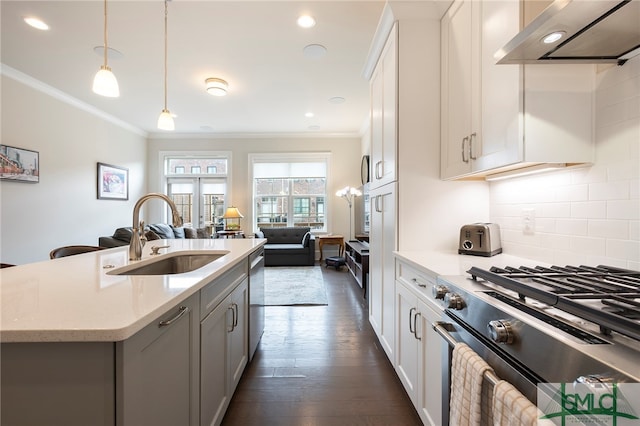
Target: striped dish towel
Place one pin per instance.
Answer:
(511, 408)
(467, 374)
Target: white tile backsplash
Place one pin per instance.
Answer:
(588, 215)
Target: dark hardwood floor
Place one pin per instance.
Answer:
(321, 365)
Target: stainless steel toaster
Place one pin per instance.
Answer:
(480, 239)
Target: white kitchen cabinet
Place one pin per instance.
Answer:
(384, 101)
(498, 117)
(419, 349)
(383, 241)
(460, 99)
(224, 348)
(158, 368)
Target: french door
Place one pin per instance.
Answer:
(201, 201)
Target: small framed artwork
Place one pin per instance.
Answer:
(19, 165)
(113, 182)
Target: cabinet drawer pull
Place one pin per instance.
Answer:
(418, 283)
(182, 310)
(377, 204)
(464, 158)
(471, 138)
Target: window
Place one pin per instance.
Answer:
(200, 197)
(290, 190)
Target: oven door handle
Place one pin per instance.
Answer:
(443, 329)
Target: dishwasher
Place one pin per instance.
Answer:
(256, 300)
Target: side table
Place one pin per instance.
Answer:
(331, 240)
(230, 234)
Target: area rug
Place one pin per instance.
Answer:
(298, 285)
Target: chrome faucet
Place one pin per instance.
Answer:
(137, 239)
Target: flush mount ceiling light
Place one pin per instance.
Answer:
(104, 82)
(553, 37)
(36, 23)
(216, 86)
(165, 121)
(306, 21)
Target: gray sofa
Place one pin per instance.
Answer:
(294, 246)
(158, 231)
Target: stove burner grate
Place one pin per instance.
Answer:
(574, 289)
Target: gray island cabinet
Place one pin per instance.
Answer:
(180, 369)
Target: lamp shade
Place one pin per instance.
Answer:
(232, 213)
(165, 121)
(105, 83)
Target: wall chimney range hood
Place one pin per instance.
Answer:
(590, 31)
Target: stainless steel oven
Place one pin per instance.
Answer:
(545, 325)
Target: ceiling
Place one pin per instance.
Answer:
(255, 46)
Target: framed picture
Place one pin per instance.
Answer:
(113, 182)
(19, 165)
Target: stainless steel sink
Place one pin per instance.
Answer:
(171, 263)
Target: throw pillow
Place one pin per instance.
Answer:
(202, 233)
(178, 231)
(259, 234)
(163, 230)
(150, 236)
(305, 239)
(190, 233)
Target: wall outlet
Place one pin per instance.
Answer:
(528, 221)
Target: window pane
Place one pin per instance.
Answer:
(272, 187)
(272, 211)
(179, 165)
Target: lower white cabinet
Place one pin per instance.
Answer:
(223, 353)
(419, 349)
(157, 370)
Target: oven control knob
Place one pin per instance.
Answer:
(453, 301)
(500, 331)
(439, 291)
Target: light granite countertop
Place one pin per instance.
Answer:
(75, 299)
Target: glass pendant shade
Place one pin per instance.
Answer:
(105, 83)
(165, 121)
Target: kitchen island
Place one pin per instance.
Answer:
(84, 345)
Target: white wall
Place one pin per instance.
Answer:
(344, 169)
(588, 215)
(62, 209)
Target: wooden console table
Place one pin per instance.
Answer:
(357, 257)
(331, 240)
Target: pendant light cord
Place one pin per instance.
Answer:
(166, 13)
(105, 33)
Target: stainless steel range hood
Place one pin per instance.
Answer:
(594, 31)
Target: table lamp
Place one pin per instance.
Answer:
(232, 213)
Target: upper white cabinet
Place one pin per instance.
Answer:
(497, 117)
(384, 102)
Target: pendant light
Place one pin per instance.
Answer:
(165, 121)
(105, 83)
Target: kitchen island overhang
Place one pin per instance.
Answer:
(75, 299)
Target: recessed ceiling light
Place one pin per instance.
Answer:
(309, 114)
(314, 51)
(553, 37)
(306, 21)
(111, 53)
(337, 100)
(36, 23)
